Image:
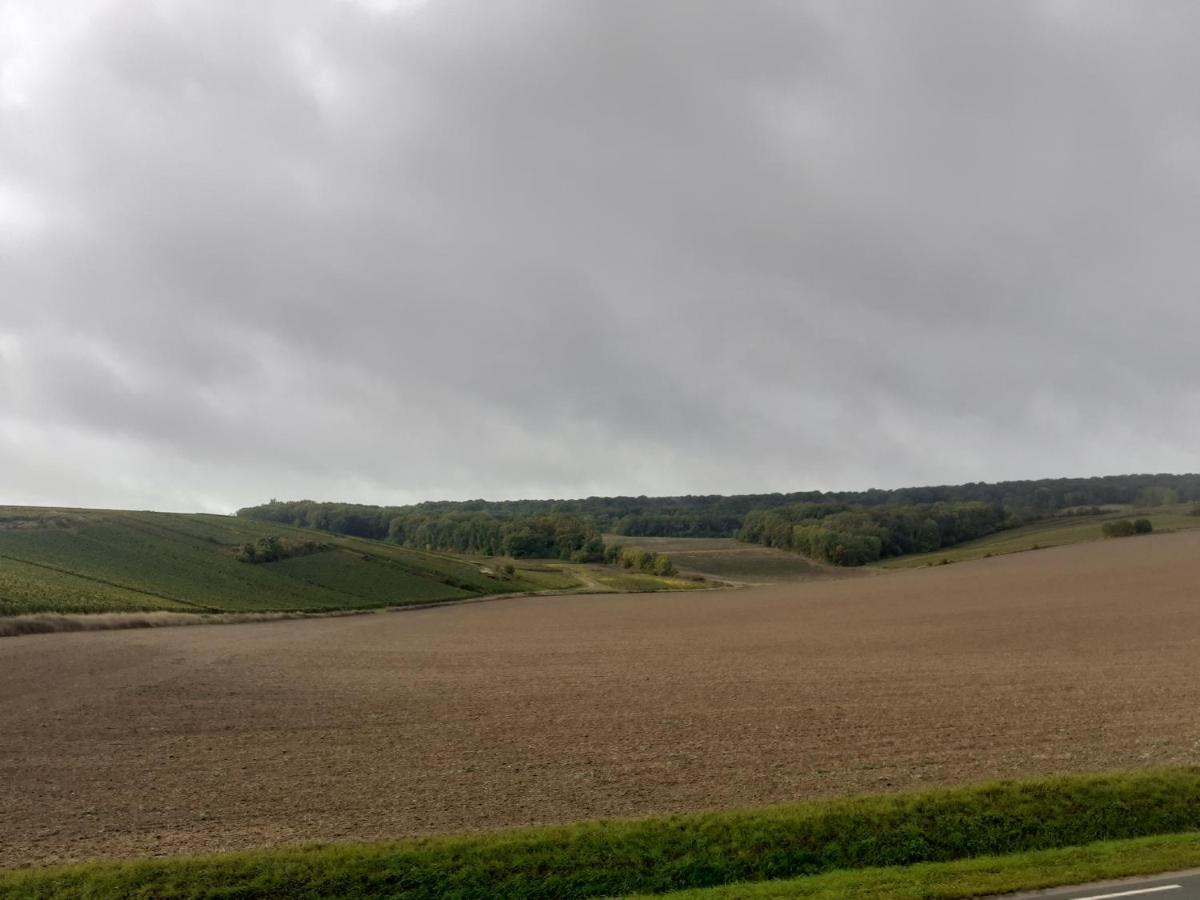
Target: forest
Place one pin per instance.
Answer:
(842, 527)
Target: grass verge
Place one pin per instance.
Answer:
(975, 877)
(670, 853)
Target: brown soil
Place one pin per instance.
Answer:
(51, 623)
(547, 709)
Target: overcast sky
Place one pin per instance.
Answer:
(391, 251)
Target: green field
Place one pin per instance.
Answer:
(88, 561)
(548, 576)
(1052, 532)
(640, 582)
(732, 560)
(945, 843)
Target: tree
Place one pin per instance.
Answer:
(1157, 495)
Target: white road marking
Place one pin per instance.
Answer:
(1153, 890)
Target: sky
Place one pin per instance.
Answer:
(386, 251)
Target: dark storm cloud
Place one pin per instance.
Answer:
(394, 251)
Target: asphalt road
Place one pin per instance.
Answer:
(1178, 886)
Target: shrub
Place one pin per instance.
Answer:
(633, 558)
(646, 561)
(1142, 526)
(1119, 528)
(274, 548)
(660, 854)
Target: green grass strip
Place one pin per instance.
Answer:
(663, 854)
(974, 877)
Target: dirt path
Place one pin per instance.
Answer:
(589, 584)
(544, 709)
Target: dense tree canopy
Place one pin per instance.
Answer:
(853, 536)
(846, 527)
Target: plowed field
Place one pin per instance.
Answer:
(547, 709)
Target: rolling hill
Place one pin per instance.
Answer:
(1053, 531)
(86, 561)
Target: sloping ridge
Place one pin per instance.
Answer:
(116, 561)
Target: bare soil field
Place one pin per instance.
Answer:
(550, 709)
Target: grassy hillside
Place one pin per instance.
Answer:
(83, 561)
(657, 855)
(1051, 532)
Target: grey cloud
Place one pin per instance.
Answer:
(452, 249)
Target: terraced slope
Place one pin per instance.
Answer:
(82, 561)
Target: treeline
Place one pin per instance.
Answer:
(717, 513)
(713, 515)
(544, 536)
(547, 536)
(354, 519)
(571, 528)
(677, 525)
(853, 536)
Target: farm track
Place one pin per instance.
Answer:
(559, 708)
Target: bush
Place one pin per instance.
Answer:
(1119, 528)
(273, 549)
(633, 558)
(1142, 526)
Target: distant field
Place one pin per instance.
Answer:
(88, 561)
(557, 709)
(639, 582)
(731, 560)
(1052, 532)
(544, 576)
